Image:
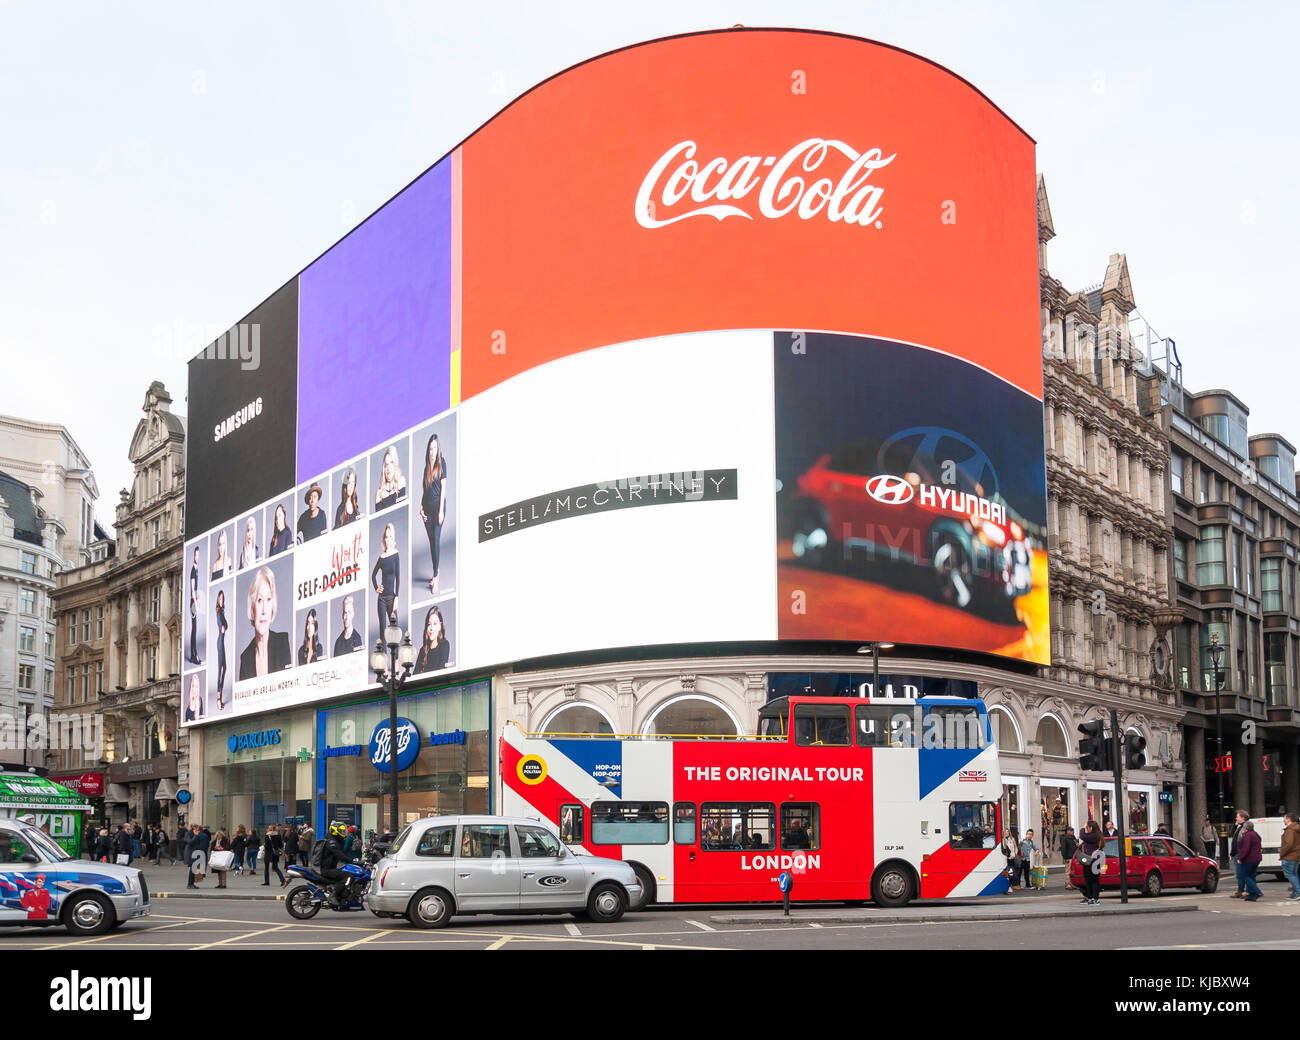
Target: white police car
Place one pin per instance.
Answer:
(450, 865)
(42, 885)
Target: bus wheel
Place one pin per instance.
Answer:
(647, 888)
(892, 885)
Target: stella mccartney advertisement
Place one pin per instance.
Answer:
(538, 407)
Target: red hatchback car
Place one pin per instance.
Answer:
(1157, 862)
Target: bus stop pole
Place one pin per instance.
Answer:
(1116, 750)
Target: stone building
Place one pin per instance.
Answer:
(121, 621)
(45, 456)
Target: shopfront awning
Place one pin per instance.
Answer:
(166, 790)
(117, 793)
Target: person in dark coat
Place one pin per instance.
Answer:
(290, 845)
(1090, 840)
(198, 851)
(239, 846)
(1069, 845)
(272, 847)
(103, 846)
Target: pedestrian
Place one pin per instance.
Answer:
(103, 846)
(253, 847)
(1250, 850)
(184, 839)
(239, 846)
(272, 847)
(1069, 846)
(1028, 850)
(220, 844)
(1011, 850)
(162, 847)
(199, 844)
(290, 845)
(120, 846)
(305, 844)
(1289, 853)
(1242, 818)
(1209, 838)
(1111, 831)
(1162, 829)
(1094, 862)
(137, 846)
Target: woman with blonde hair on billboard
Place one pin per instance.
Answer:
(386, 575)
(194, 709)
(349, 508)
(433, 503)
(281, 536)
(310, 651)
(249, 555)
(221, 563)
(222, 627)
(267, 651)
(435, 649)
(392, 485)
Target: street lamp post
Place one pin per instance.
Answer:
(1216, 655)
(874, 650)
(392, 669)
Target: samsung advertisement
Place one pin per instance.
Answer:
(736, 358)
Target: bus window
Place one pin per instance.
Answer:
(972, 825)
(954, 727)
(872, 725)
(684, 823)
(801, 826)
(771, 725)
(738, 825)
(629, 823)
(572, 830)
(821, 725)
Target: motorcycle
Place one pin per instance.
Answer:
(305, 901)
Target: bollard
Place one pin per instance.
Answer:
(785, 882)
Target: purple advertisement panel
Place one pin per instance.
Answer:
(374, 348)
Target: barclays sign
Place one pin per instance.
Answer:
(260, 738)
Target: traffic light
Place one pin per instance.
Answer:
(1094, 749)
(1135, 751)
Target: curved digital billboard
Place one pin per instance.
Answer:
(723, 337)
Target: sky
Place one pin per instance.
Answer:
(165, 167)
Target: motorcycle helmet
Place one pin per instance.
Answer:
(338, 829)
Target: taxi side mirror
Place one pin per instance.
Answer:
(31, 857)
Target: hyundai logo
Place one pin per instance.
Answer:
(889, 489)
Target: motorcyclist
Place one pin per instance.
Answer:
(333, 854)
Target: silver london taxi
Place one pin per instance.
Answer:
(448, 865)
(40, 884)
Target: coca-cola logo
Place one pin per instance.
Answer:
(844, 191)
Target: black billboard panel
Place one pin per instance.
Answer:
(243, 401)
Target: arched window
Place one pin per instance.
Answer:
(152, 738)
(1051, 737)
(691, 715)
(1005, 731)
(578, 718)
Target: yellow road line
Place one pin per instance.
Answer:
(245, 935)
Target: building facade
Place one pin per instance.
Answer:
(1235, 518)
(29, 561)
(45, 457)
(121, 630)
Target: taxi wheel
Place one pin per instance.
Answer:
(607, 904)
(1153, 885)
(1211, 881)
(88, 913)
(430, 908)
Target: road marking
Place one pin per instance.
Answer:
(363, 939)
(815, 925)
(109, 935)
(243, 935)
(1220, 946)
(572, 929)
(500, 942)
(702, 927)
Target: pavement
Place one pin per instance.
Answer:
(168, 881)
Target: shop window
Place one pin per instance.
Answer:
(579, 719)
(629, 823)
(737, 825)
(573, 819)
(437, 841)
(691, 717)
(801, 826)
(684, 823)
(1052, 738)
(821, 725)
(485, 841)
(973, 825)
(1004, 730)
